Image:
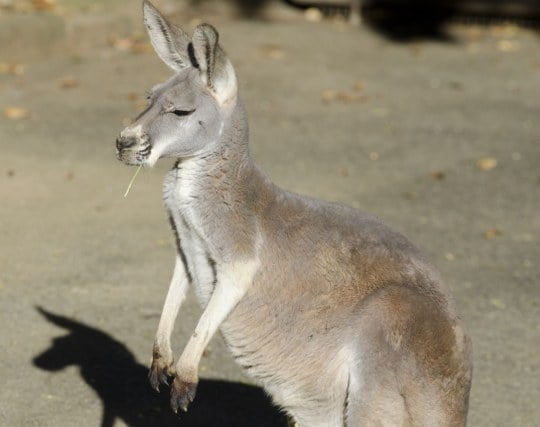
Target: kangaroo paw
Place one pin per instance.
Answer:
(182, 394)
(160, 373)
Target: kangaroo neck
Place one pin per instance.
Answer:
(222, 173)
(220, 194)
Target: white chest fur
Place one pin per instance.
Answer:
(179, 193)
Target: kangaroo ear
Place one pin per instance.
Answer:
(169, 41)
(58, 320)
(216, 70)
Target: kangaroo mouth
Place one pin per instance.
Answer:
(134, 156)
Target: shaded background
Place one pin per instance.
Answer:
(429, 122)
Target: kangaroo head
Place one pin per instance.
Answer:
(186, 114)
(83, 346)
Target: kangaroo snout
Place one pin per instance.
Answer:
(131, 136)
(133, 146)
(123, 142)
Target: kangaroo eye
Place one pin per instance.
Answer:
(182, 113)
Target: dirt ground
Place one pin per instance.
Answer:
(438, 136)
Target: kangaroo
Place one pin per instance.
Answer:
(339, 317)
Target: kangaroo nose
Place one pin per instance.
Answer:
(125, 142)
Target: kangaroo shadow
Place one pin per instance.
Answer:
(411, 20)
(121, 382)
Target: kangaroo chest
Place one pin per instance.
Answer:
(192, 244)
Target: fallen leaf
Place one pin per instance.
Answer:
(130, 44)
(497, 303)
(344, 172)
(487, 163)
(411, 195)
(14, 69)
(492, 233)
(272, 51)
(328, 95)
(342, 96)
(141, 47)
(474, 33)
(69, 82)
(123, 44)
(137, 100)
(132, 96)
(345, 97)
(43, 4)
(358, 86)
(437, 175)
(508, 45)
(16, 113)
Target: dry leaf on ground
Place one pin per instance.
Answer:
(272, 51)
(497, 303)
(16, 113)
(437, 175)
(508, 45)
(138, 101)
(345, 97)
(359, 86)
(69, 82)
(487, 163)
(43, 4)
(492, 233)
(130, 44)
(14, 69)
(141, 47)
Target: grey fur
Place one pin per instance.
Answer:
(339, 317)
